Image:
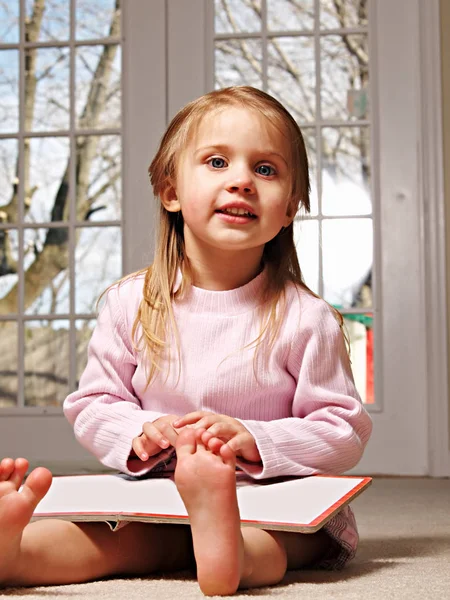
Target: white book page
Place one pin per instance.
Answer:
(295, 502)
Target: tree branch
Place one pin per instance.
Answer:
(53, 258)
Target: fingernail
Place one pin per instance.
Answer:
(176, 423)
(144, 456)
(164, 442)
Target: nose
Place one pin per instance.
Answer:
(240, 180)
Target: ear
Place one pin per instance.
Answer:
(170, 200)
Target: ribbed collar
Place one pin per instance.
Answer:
(228, 302)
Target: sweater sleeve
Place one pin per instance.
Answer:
(329, 427)
(104, 411)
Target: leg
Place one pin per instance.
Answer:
(30, 554)
(207, 485)
(226, 557)
(271, 553)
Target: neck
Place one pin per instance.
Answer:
(221, 271)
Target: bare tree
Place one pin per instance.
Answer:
(52, 258)
(47, 259)
(290, 77)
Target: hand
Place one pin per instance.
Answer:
(216, 431)
(155, 437)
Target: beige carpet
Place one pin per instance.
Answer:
(404, 553)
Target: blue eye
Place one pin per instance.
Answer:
(265, 170)
(217, 163)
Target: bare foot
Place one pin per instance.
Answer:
(207, 484)
(16, 509)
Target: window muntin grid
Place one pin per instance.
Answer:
(315, 60)
(60, 158)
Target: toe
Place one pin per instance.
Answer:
(18, 473)
(186, 443)
(6, 468)
(37, 485)
(228, 456)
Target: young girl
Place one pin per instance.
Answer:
(217, 355)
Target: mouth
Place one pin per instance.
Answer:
(236, 212)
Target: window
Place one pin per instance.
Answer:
(313, 56)
(60, 189)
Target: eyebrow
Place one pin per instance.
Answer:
(224, 148)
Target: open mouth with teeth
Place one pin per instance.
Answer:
(237, 212)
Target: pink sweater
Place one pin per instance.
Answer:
(303, 410)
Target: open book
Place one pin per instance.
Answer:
(289, 504)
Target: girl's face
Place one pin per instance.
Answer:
(233, 184)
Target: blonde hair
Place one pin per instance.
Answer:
(155, 315)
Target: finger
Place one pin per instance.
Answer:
(206, 422)
(139, 446)
(244, 445)
(189, 419)
(222, 429)
(186, 443)
(241, 441)
(155, 435)
(168, 432)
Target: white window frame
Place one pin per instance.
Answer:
(43, 434)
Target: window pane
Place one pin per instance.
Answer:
(285, 15)
(50, 24)
(46, 362)
(359, 329)
(345, 77)
(47, 89)
(306, 236)
(238, 62)
(97, 88)
(346, 171)
(9, 22)
(98, 264)
(8, 181)
(350, 13)
(46, 271)
(47, 183)
(292, 75)
(8, 364)
(237, 15)
(84, 329)
(9, 91)
(309, 135)
(347, 247)
(98, 191)
(97, 19)
(8, 271)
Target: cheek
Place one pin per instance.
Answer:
(193, 209)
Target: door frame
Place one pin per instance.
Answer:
(433, 219)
